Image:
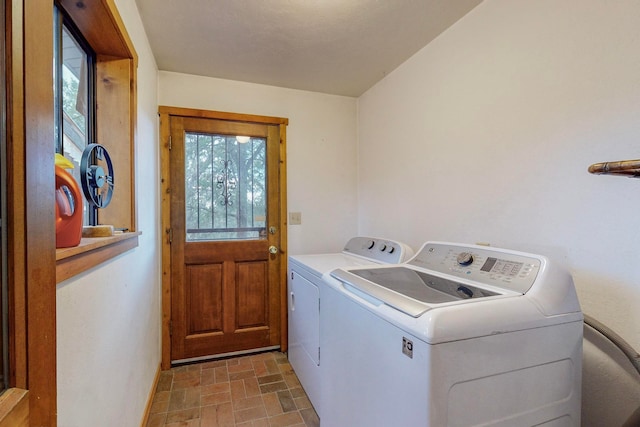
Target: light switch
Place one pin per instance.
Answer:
(295, 218)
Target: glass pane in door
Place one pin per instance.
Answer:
(225, 187)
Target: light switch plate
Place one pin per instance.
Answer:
(295, 218)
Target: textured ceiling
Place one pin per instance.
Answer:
(340, 47)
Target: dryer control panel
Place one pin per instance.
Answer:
(501, 268)
(381, 250)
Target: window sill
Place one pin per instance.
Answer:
(14, 408)
(91, 252)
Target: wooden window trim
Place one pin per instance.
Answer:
(30, 231)
(116, 65)
(91, 252)
(14, 408)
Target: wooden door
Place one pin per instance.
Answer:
(225, 243)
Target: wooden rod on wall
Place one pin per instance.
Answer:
(630, 168)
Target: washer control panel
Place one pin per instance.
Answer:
(387, 251)
(505, 269)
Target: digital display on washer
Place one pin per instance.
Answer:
(500, 266)
(421, 286)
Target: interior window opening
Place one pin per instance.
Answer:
(74, 72)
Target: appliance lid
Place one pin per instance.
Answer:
(422, 286)
(452, 275)
(409, 290)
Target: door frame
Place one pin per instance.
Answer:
(165, 113)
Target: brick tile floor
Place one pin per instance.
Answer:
(259, 390)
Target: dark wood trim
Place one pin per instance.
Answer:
(16, 197)
(221, 115)
(39, 213)
(284, 219)
(165, 191)
(14, 402)
(101, 26)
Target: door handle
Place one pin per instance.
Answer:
(273, 249)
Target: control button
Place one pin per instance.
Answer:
(464, 258)
(371, 244)
(383, 247)
(392, 250)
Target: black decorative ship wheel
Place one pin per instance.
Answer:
(96, 173)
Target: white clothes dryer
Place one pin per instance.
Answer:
(304, 282)
(461, 335)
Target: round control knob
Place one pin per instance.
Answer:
(464, 258)
(383, 248)
(371, 244)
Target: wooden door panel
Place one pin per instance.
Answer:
(206, 252)
(204, 296)
(253, 295)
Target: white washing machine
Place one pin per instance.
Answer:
(461, 335)
(305, 279)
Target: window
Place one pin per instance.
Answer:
(74, 97)
(93, 34)
(225, 188)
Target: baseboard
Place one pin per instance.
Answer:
(152, 393)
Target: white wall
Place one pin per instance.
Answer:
(321, 149)
(487, 132)
(108, 319)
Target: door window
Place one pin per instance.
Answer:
(225, 187)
